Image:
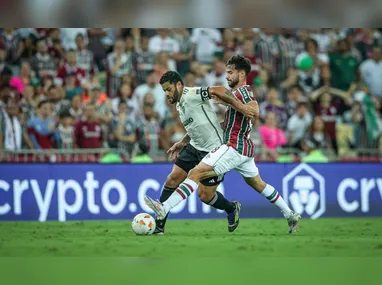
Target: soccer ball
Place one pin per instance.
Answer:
(143, 224)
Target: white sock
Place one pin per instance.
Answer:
(181, 193)
(275, 198)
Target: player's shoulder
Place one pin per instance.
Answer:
(244, 89)
(244, 92)
(191, 90)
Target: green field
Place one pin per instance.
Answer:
(205, 238)
(346, 251)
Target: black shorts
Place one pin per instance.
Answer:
(189, 157)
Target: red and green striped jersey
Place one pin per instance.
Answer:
(237, 127)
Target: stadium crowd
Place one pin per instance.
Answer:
(319, 90)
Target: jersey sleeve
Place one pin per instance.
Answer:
(244, 95)
(197, 95)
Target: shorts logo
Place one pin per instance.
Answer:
(215, 149)
(204, 93)
(304, 191)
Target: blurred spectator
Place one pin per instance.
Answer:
(229, 43)
(329, 107)
(88, 133)
(309, 74)
(247, 49)
(3, 56)
(143, 61)
(68, 37)
(184, 57)
(163, 43)
(71, 89)
(85, 57)
(13, 45)
(312, 49)
(276, 53)
(351, 39)
(272, 136)
(151, 123)
(153, 87)
(104, 113)
(125, 95)
(371, 128)
(55, 48)
(318, 135)
(290, 48)
(42, 128)
(298, 124)
(343, 65)
(28, 103)
(29, 47)
(98, 44)
(75, 109)
(125, 128)
(130, 46)
(324, 37)
(200, 72)
(266, 49)
(12, 133)
(262, 83)
(42, 63)
(66, 131)
(119, 64)
(70, 68)
(190, 79)
(274, 105)
(366, 43)
(175, 130)
(294, 95)
(205, 42)
(217, 77)
(143, 154)
(24, 78)
(371, 72)
(290, 81)
(161, 65)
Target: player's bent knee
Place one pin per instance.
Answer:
(201, 172)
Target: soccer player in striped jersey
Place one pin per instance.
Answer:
(204, 133)
(237, 152)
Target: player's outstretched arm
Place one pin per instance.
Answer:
(221, 93)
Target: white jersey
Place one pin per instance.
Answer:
(199, 119)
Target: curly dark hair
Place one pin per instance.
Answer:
(240, 62)
(170, 77)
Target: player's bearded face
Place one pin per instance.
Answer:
(175, 97)
(232, 76)
(233, 80)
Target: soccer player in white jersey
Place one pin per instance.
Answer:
(204, 133)
(237, 151)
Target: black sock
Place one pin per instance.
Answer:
(221, 203)
(166, 193)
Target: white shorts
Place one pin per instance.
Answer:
(226, 158)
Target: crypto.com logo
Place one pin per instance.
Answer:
(304, 191)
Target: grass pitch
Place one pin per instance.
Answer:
(204, 238)
(331, 251)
